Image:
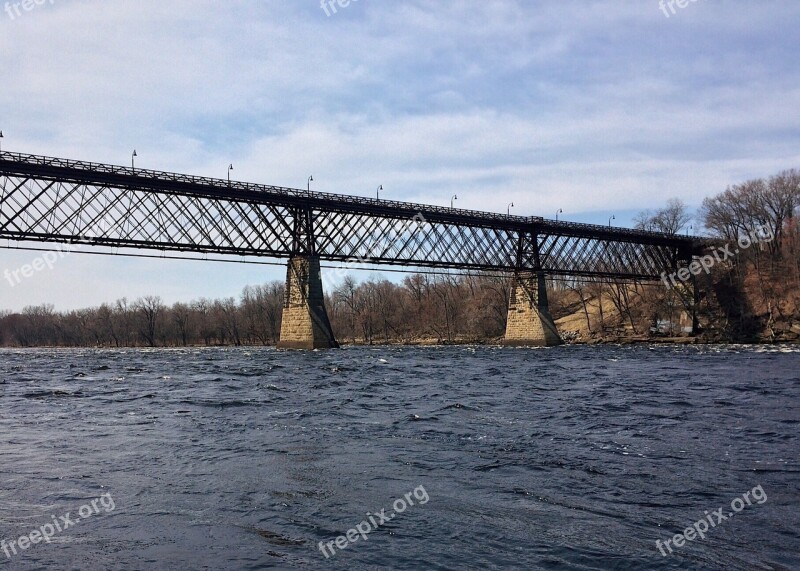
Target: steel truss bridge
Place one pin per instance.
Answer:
(46, 199)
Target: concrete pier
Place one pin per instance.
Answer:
(305, 323)
(529, 320)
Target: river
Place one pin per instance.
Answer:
(465, 457)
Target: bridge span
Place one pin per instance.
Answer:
(55, 200)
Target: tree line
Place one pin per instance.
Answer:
(757, 293)
(441, 307)
(751, 295)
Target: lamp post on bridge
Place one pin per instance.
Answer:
(559, 211)
(308, 183)
(455, 197)
(610, 219)
(133, 157)
(1, 141)
(508, 210)
(230, 168)
(378, 192)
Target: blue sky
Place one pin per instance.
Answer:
(596, 108)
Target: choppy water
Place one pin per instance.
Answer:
(566, 458)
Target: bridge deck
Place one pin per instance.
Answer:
(60, 200)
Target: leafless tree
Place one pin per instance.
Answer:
(670, 219)
(149, 310)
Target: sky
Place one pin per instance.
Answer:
(595, 108)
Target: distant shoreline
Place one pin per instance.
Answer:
(437, 343)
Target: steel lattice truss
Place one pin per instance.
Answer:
(57, 200)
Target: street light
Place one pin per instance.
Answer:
(689, 229)
(378, 192)
(1, 136)
(308, 183)
(133, 156)
(508, 210)
(230, 168)
(559, 211)
(455, 197)
(610, 219)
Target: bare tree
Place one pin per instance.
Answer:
(181, 315)
(149, 310)
(671, 219)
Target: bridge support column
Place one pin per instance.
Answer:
(305, 323)
(529, 320)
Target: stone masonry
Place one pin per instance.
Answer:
(305, 323)
(529, 320)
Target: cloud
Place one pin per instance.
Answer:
(585, 106)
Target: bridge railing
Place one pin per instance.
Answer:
(88, 166)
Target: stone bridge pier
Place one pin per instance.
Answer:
(305, 323)
(529, 321)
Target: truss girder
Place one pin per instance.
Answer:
(112, 206)
(31, 209)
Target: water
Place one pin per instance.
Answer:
(566, 458)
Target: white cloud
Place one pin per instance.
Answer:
(574, 105)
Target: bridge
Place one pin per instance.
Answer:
(47, 199)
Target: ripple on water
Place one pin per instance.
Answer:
(570, 458)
